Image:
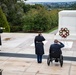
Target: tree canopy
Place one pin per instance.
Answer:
(3, 21)
(25, 17)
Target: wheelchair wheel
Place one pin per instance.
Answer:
(61, 60)
(48, 61)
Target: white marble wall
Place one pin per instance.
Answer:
(67, 18)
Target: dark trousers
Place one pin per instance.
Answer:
(39, 58)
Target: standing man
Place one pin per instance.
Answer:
(39, 47)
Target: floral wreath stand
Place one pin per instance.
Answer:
(64, 33)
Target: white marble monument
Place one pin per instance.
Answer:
(67, 18)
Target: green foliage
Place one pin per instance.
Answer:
(37, 20)
(15, 28)
(55, 28)
(42, 20)
(13, 11)
(26, 8)
(4, 22)
(15, 15)
(54, 17)
(28, 17)
(29, 20)
(73, 6)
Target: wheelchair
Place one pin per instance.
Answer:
(55, 55)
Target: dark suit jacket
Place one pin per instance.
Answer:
(56, 47)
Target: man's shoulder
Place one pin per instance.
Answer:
(52, 44)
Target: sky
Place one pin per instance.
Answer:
(50, 0)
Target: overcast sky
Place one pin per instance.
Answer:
(50, 0)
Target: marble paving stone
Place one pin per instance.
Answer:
(43, 74)
(68, 53)
(74, 54)
(28, 51)
(11, 73)
(10, 50)
(20, 62)
(73, 63)
(3, 60)
(48, 69)
(73, 72)
(29, 73)
(29, 66)
(73, 68)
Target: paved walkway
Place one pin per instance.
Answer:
(17, 56)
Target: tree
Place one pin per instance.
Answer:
(4, 22)
(73, 6)
(29, 20)
(14, 13)
(54, 18)
(42, 20)
(26, 8)
(37, 20)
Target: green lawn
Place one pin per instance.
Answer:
(51, 30)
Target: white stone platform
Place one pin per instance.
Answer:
(21, 43)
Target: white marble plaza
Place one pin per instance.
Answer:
(23, 43)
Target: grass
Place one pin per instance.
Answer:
(51, 30)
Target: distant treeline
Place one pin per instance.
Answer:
(16, 16)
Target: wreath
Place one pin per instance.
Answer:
(64, 32)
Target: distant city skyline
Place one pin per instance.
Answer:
(50, 0)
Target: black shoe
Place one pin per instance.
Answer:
(39, 62)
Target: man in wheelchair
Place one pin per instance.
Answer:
(55, 52)
(55, 49)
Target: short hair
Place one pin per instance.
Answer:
(39, 34)
(55, 41)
